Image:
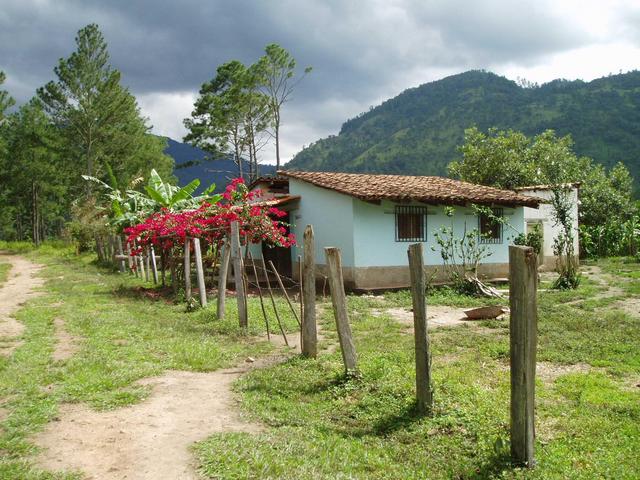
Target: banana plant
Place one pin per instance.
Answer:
(175, 198)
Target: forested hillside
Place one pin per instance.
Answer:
(418, 131)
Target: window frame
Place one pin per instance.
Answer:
(483, 219)
(419, 232)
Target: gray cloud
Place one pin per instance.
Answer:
(361, 51)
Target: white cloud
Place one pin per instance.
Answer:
(166, 112)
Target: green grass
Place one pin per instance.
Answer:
(322, 425)
(4, 271)
(124, 336)
(318, 423)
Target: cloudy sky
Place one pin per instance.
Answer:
(362, 52)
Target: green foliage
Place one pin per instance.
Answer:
(418, 131)
(532, 239)
(237, 108)
(98, 118)
(612, 238)
(461, 254)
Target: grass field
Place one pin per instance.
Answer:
(4, 271)
(320, 424)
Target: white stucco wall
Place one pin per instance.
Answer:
(374, 233)
(330, 213)
(544, 214)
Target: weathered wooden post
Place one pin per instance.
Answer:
(424, 393)
(236, 256)
(338, 299)
(129, 258)
(187, 269)
(154, 266)
(147, 264)
(308, 279)
(122, 266)
(222, 280)
(202, 289)
(523, 279)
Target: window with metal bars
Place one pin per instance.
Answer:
(411, 224)
(489, 226)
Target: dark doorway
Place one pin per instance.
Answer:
(280, 256)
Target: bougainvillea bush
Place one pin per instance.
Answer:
(257, 222)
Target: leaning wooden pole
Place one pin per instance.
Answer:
(222, 280)
(273, 301)
(284, 292)
(236, 256)
(339, 301)
(187, 270)
(202, 289)
(523, 285)
(308, 280)
(264, 310)
(147, 264)
(424, 392)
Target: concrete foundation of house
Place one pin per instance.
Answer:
(395, 277)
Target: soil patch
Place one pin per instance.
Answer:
(149, 440)
(21, 284)
(66, 344)
(437, 316)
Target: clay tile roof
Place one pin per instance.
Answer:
(434, 190)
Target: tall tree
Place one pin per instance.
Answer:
(6, 223)
(509, 159)
(230, 115)
(99, 119)
(37, 177)
(279, 80)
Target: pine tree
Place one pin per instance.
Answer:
(98, 118)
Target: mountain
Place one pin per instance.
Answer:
(418, 131)
(192, 162)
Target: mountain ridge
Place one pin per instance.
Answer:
(418, 131)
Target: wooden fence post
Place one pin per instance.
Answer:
(129, 258)
(222, 280)
(338, 298)
(424, 393)
(236, 256)
(154, 266)
(147, 264)
(523, 278)
(308, 280)
(122, 266)
(187, 269)
(202, 289)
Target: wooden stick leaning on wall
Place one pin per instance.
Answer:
(308, 281)
(284, 292)
(222, 280)
(236, 256)
(264, 311)
(273, 301)
(523, 325)
(339, 301)
(187, 270)
(424, 392)
(202, 289)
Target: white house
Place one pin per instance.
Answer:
(373, 218)
(544, 218)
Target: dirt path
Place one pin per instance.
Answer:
(437, 316)
(21, 284)
(149, 440)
